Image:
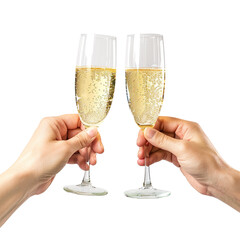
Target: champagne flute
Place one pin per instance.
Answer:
(94, 90)
(145, 84)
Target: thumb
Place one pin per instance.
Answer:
(82, 139)
(162, 141)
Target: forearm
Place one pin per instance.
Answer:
(227, 187)
(14, 190)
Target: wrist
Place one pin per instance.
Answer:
(226, 183)
(23, 178)
(14, 190)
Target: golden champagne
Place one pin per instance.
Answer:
(94, 90)
(145, 92)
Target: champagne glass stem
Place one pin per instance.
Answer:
(86, 178)
(147, 179)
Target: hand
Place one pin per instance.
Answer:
(185, 145)
(57, 141)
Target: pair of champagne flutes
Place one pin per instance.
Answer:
(94, 90)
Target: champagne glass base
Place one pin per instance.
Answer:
(85, 189)
(146, 193)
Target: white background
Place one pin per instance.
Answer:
(38, 49)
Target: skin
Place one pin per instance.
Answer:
(61, 140)
(184, 144)
(56, 142)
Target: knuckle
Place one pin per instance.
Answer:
(183, 146)
(180, 131)
(161, 124)
(46, 120)
(83, 140)
(194, 125)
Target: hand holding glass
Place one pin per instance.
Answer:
(94, 90)
(145, 84)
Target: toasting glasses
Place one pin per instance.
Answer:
(145, 83)
(94, 90)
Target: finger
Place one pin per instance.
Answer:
(163, 155)
(158, 156)
(153, 149)
(73, 132)
(141, 162)
(168, 124)
(80, 160)
(60, 125)
(84, 153)
(141, 141)
(84, 166)
(88, 154)
(141, 152)
(155, 157)
(82, 139)
(97, 145)
(163, 141)
(75, 158)
(92, 158)
(65, 123)
(72, 121)
(181, 128)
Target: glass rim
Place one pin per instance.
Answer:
(146, 35)
(98, 35)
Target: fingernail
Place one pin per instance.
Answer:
(92, 132)
(149, 132)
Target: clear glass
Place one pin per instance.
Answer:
(94, 90)
(145, 84)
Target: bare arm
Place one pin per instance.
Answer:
(57, 141)
(14, 186)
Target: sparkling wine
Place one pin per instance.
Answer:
(145, 93)
(94, 90)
